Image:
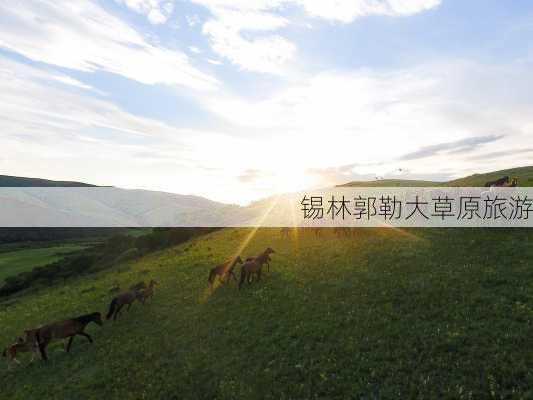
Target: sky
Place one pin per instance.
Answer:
(237, 100)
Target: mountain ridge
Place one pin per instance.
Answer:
(524, 175)
(22, 181)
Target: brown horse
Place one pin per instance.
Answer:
(67, 328)
(126, 298)
(224, 271)
(248, 268)
(263, 258)
(147, 293)
(285, 232)
(20, 346)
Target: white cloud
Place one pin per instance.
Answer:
(157, 11)
(77, 137)
(362, 121)
(269, 53)
(348, 10)
(372, 119)
(192, 20)
(194, 49)
(26, 109)
(264, 53)
(67, 80)
(81, 35)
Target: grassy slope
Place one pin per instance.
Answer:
(22, 260)
(18, 181)
(524, 175)
(389, 314)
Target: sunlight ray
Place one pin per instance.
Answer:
(208, 292)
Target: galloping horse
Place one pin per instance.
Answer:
(120, 301)
(224, 271)
(263, 258)
(145, 294)
(498, 182)
(65, 329)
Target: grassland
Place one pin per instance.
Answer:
(384, 314)
(15, 259)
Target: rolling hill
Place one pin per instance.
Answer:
(109, 206)
(112, 207)
(17, 181)
(524, 175)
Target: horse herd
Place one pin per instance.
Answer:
(251, 268)
(36, 340)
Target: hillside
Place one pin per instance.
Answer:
(17, 181)
(383, 314)
(101, 207)
(524, 175)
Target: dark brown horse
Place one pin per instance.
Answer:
(67, 328)
(263, 258)
(224, 271)
(248, 268)
(147, 293)
(126, 298)
(498, 182)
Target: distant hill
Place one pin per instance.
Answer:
(524, 175)
(17, 181)
(119, 207)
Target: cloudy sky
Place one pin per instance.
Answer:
(236, 100)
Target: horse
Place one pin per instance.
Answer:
(144, 294)
(67, 328)
(248, 268)
(20, 346)
(120, 301)
(224, 270)
(498, 182)
(285, 232)
(263, 258)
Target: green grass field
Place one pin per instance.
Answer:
(17, 260)
(428, 313)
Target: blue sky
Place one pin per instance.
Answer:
(240, 99)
